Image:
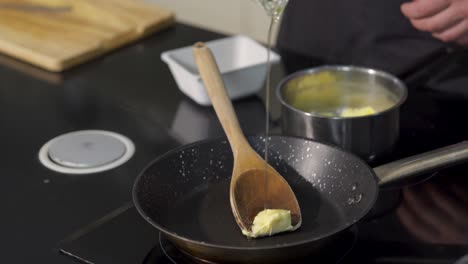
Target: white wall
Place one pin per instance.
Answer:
(226, 16)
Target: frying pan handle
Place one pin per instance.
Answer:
(422, 163)
(216, 90)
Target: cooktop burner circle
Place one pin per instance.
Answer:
(86, 151)
(166, 252)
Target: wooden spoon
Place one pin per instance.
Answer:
(255, 185)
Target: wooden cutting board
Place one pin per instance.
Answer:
(58, 34)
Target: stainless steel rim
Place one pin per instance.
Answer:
(343, 68)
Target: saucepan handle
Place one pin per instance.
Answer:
(423, 163)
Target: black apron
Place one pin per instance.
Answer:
(370, 33)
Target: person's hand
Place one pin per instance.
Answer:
(436, 215)
(447, 20)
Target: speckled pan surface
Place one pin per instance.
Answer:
(186, 191)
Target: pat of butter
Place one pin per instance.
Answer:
(269, 222)
(363, 111)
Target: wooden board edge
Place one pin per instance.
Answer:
(47, 63)
(122, 41)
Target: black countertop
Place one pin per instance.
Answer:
(132, 92)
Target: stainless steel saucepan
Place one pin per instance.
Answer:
(351, 107)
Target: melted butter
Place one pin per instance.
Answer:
(269, 222)
(333, 94)
(360, 111)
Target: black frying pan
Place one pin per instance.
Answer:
(185, 194)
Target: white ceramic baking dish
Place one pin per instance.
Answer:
(241, 60)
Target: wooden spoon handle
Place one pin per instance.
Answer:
(214, 85)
